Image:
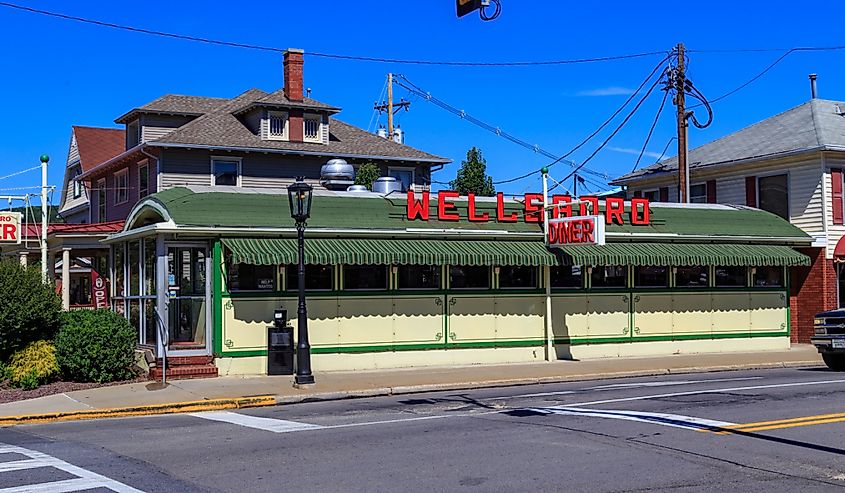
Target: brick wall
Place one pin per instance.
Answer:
(812, 290)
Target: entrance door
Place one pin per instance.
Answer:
(187, 307)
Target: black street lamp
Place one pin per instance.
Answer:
(299, 195)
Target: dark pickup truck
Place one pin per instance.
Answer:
(829, 338)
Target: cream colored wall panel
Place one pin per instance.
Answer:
(667, 348)
(652, 314)
(472, 318)
(418, 320)
(691, 313)
(607, 315)
(520, 317)
(324, 325)
(365, 321)
(768, 312)
(412, 359)
(730, 312)
(570, 317)
(245, 322)
(250, 365)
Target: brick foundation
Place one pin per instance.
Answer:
(812, 290)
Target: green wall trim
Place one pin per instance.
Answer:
(672, 337)
(242, 354)
(216, 299)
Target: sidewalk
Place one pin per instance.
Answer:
(236, 392)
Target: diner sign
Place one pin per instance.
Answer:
(10, 227)
(99, 290)
(578, 230)
(532, 210)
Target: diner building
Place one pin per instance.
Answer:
(415, 279)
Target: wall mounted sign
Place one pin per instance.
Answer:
(614, 208)
(579, 230)
(99, 290)
(10, 227)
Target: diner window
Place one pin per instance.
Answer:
(419, 276)
(248, 277)
(698, 193)
(121, 186)
(119, 269)
(365, 277)
(101, 201)
(317, 277)
(768, 277)
(226, 172)
(133, 264)
(517, 277)
(143, 181)
(566, 276)
(469, 277)
(609, 276)
(773, 195)
(731, 276)
(650, 276)
(692, 276)
(149, 266)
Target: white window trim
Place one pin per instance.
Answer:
(144, 164)
(286, 132)
(313, 116)
(117, 175)
(238, 160)
(405, 168)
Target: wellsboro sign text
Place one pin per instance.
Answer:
(561, 206)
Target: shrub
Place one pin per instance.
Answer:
(95, 346)
(366, 174)
(33, 365)
(29, 310)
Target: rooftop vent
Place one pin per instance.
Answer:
(337, 174)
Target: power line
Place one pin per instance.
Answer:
(651, 130)
(20, 172)
(249, 46)
(749, 81)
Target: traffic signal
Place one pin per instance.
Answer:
(464, 7)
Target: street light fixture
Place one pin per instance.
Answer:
(299, 195)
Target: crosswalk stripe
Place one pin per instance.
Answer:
(259, 423)
(664, 419)
(76, 484)
(17, 465)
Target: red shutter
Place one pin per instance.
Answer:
(638, 193)
(751, 191)
(711, 192)
(664, 194)
(836, 195)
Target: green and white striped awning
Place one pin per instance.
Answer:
(358, 251)
(681, 254)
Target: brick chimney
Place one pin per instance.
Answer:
(293, 74)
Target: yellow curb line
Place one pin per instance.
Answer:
(122, 412)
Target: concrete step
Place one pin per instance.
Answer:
(186, 360)
(182, 372)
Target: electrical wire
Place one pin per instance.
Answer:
(751, 80)
(651, 130)
(482, 12)
(231, 44)
(20, 172)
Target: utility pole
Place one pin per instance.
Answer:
(44, 159)
(575, 185)
(389, 107)
(683, 127)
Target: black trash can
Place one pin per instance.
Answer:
(280, 350)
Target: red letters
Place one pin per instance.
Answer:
(533, 207)
(500, 210)
(10, 232)
(481, 218)
(614, 207)
(564, 210)
(593, 208)
(639, 211)
(417, 208)
(446, 211)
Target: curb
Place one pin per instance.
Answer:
(123, 412)
(486, 384)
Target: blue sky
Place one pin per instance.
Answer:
(57, 73)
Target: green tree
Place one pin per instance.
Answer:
(367, 173)
(472, 177)
(29, 309)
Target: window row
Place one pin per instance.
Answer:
(248, 277)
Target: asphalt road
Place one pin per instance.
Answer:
(772, 430)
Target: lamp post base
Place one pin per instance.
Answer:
(303, 380)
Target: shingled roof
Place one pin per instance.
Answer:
(816, 125)
(220, 128)
(175, 104)
(97, 145)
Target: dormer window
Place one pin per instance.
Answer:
(312, 128)
(277, 125)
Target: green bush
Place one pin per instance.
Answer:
(33, 365)
(29, 310)
(366, 174)
(95, 346)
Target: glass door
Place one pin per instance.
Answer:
(187, 298)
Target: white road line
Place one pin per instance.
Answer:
(86, 479)
(17, 465)
(259, 423)
(616, 386)
(665, 419)
(698, 392)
